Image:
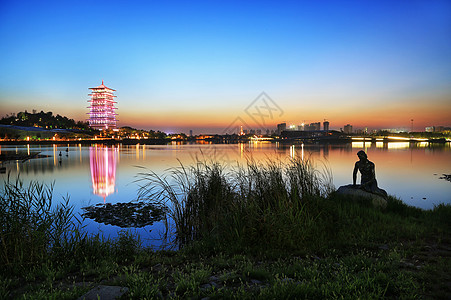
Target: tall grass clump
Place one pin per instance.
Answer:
(257, 205)
(193, 196)
(31, 226)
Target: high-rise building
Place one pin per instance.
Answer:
(102, 113)
(313, 126)
(281, 127)
(326, 125)
(347, 129)
(301, 127)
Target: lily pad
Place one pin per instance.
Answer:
(131, 214)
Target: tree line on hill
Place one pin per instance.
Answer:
(44, 120)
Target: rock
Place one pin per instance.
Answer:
(353, 191)
(104, 292)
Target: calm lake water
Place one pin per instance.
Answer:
(106, 174)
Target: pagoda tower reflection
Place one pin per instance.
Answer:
(103, 162)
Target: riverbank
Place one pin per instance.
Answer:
(412, 261)
(90, 142)
(281, 242)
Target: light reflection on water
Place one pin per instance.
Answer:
(91, 175)
(102, 161)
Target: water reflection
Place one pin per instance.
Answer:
(103, 162)
(293, 152)
(303, 150)
(398, 145)
(404, 169)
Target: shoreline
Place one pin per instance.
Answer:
(220, 140)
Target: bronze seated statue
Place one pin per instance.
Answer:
(368, 175)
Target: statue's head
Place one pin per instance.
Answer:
(362, 154)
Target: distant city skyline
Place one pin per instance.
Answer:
(201, 66)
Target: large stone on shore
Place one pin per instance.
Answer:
(356, 192)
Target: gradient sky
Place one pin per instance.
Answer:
(198, 65)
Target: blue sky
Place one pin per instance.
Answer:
(197, 65)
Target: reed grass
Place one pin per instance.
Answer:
(34, 231)
(245, 206)
(31, 225)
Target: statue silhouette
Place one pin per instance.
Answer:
(368, 175)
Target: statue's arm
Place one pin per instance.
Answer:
(354, 174)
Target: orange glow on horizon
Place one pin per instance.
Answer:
(365, 113)
(426, 111)
(372, 120)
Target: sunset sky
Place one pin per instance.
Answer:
(181, 65)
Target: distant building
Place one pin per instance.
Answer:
(102, 111)
(313, 127)
(281, 127)
(191, 132)
(361, 130)
(347, 129)
(437, 129)
(326, 125)
(394, 130)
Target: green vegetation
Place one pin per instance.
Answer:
(41, 125)
(264, 230)
(44, 120)
(246, 207)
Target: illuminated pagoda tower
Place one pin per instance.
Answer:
(102, 111)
